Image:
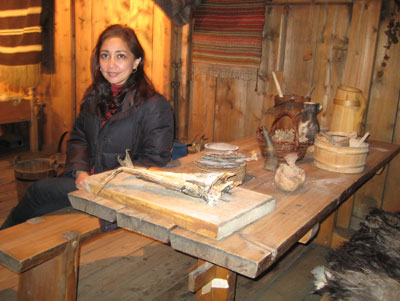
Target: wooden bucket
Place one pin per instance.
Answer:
(343, 159)
(28, 171)
(348, 111)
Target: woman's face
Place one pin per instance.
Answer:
(117, 61)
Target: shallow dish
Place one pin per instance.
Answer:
(220, 147)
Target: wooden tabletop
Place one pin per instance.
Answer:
(252, 249)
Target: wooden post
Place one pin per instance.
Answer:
(344, 213)
(55, 279)
(324, 237)
(212, 282)
(34, 127)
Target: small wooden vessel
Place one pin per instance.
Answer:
(339, 158)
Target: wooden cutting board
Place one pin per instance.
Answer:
(237, 209)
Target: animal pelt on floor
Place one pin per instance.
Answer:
(367, 267)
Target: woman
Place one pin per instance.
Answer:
(120, 111)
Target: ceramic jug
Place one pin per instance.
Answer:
(308, 124)
(348, 110)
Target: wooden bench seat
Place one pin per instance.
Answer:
(45, 251)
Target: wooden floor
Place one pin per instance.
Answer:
(125, 266)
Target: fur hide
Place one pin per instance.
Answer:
(367, 267)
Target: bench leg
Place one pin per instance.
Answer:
(55, 279)
(211, 282)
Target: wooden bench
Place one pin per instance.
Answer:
(45, 252)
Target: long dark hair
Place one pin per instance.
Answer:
(137, 81)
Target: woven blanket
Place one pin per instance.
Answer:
(20, 42)
(367, 267)
(227, 38)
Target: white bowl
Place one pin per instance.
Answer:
(220, 147)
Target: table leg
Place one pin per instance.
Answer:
(211, 282)
(324, 237)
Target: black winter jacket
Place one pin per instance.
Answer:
(147, 131)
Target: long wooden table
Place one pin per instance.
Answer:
(252, 249)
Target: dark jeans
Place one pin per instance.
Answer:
(42, 197)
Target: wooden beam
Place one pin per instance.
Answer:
(344, 213)
(310, 234)
(324, 237)
(34, 126)
(221, 287)
(203, 274)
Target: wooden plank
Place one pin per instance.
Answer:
(359, 66)
(61, 86)
(162, 71)
(298, 32)
(230, 108)
(330, 56)
(83, 32)
(362, 44)
(146, 224)
(270, 58)
(252, 249)
(44, 237)
(97, 206)
(253, 111)
(282, 40)
(125, 217)
(384, 101)
(192, 213)
(140, 18)
(202, 107)
(34, 126)
(184, 87)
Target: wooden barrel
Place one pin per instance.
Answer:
(28, 171)
(343, 159)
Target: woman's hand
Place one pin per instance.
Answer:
(80, 179)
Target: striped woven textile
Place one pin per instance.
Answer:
(20, 42)
(227, 38)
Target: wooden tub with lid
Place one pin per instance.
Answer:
(337, 156)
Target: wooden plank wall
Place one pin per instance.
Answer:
(77, 26)
(318, 43)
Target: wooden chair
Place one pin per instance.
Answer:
(45, 252)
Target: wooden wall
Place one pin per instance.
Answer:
(77, 26)
(313, 43)
(318, 43)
